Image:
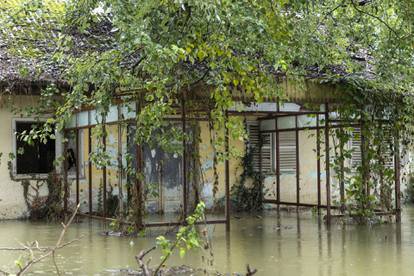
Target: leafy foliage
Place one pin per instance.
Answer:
(159, 52)
(247, 197)
(186, 238)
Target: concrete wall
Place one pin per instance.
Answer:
(207, 161)
(170, 192)
(307, 174)
(12, 202)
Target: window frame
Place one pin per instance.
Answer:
(58, 149)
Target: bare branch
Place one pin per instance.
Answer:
(140, 260)
(48, 251)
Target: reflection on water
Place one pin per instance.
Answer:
(276, 244)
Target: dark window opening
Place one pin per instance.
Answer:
(36, 158)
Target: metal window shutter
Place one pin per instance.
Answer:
(254, 143)
(266, 153)
(356, 158)
(287, 151)
(355, 144)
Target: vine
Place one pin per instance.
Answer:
(384, 120)
(247, 195)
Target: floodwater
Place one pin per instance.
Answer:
(287, 243)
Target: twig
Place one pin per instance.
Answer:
(165, 258)
(250, 272)
(140, 260)
(55, 264)
(51, 251)
(24, 248)
(329, 13)
(4, 272)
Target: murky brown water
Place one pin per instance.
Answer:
(288, 244)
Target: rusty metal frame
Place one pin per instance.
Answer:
(184, 158)
(227, 174)
(297, 161)
(318, 162)
(90, 171)
(329, 124)
(138, 182)
(327, 166)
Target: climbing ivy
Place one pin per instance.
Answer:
(384, 120)
(157, 53)
(247, 194)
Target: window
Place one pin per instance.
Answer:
(264, 159)
(32, 159)
(287, 152)
(355, 146)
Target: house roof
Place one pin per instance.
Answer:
(28, 75)
(23, 75)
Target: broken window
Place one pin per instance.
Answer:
(36, 158)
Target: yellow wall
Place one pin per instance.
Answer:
(12, 203)
(206, 160)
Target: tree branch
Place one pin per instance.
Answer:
(374, 16)
(47, 251)
(140, 260)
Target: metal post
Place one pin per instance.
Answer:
(65, 174)
(260, 147)
(138, 187)
(364, 160)
(397, 172)
(318, 163)
(120, 167)
(342, 173)
(90, 169)
(138, 183)
(77, 165)
(184, 158)
(227, 175)
(277, 162)
(327, 164)
(297, 163)
(104, 174)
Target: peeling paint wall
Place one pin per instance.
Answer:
(162, 167)
(12, 202)
(207, 161)
(159, 167)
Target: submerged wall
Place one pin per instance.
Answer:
(163, 172)
(12, 201)
(160, 168)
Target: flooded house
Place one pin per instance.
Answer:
(291, 144)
